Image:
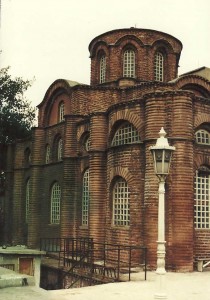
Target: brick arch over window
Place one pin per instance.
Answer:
(100, 45)
(124, 173)
(129, 39)
(164, 45)
(201, 160)
(84, 141)
(124, 133)
(128, 116)
(124, 116)
(202, 121)
(58, 87)
(194, 83)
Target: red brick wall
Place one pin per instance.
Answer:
(146, 42)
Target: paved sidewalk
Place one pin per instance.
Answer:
(179, 286)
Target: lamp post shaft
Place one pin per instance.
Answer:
(161, 240)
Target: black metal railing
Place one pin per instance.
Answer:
(98, 259)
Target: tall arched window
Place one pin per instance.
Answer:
(85, 198)
(202, 200)
(102, 69)
(202, 137)
(159, 66)
(55, 203)
(129, 63)
(47, 154)
(126, 134)
(27, 199)
(27, 157)
(61, 112)
(121, 203)
(87, 143)
(60, 149)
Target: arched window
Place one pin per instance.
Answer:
(47, 154)
(202, 200)
(55, 203)
(129, 63)
(61, 112)
(27, 199)
(87, 143)
(159, 66)
(121, 203)
(202, 137)
(126, 134)
(85, 198)
(27, 157)
(102, 69)
(60, 149)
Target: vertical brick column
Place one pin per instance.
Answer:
(181, 185)
(154, 120)
(70, 180)
(173, 111)
(18, 211)
(36, 187)
(98, 193)
(7, 208)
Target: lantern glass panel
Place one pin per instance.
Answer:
(159, 160)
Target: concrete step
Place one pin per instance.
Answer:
(9, 278)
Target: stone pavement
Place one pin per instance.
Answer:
(179, 286)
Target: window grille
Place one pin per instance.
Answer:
(27, 199)
(159, 63)
(61, 112)
(126, 134)
(202, 201)
(85, 198)
(55, 203)
(121, 205)
(47, 154)
(102, 69)
(202, 137)
(129, 63)
(60, 149)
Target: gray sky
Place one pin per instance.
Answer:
(48, 39)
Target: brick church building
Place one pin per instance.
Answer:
(87, 170)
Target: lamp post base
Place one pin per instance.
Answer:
(160, 296)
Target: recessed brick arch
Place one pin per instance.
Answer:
(121, 172)
(204, 118)
(100, 45)
(127, 115)
(82, 130)
(162, 43)
(201, 160)
(131, 40)
(194, 82)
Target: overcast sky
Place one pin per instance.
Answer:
(48, 39)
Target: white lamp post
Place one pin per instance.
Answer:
(161, 154)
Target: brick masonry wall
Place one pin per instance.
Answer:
(98, 111)
(145, 43)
